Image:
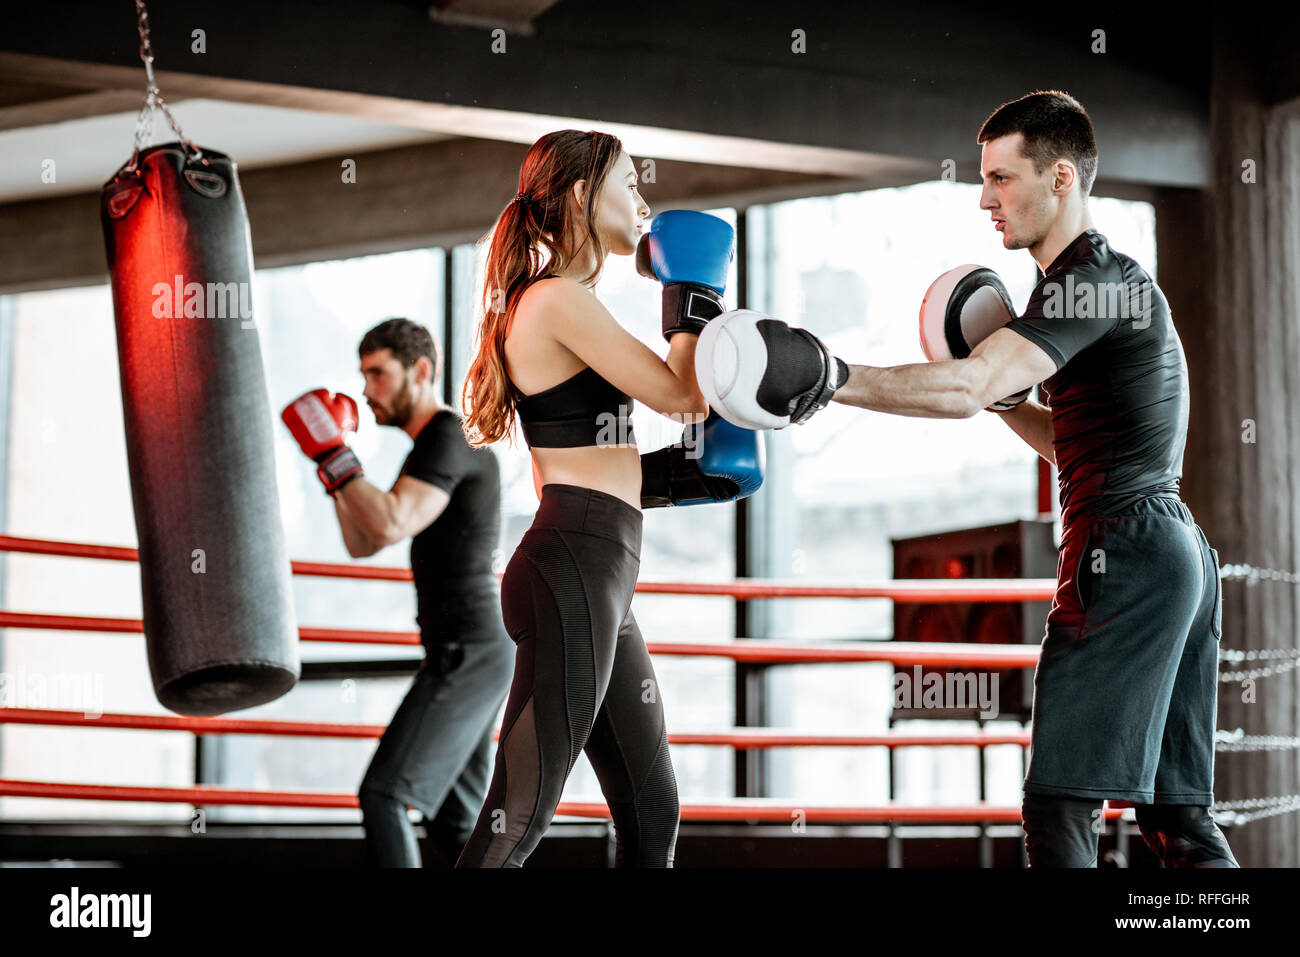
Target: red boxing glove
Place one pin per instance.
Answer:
(320, 423)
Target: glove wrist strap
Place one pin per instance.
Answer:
(688, 307)
(835, 372)
(338, 468)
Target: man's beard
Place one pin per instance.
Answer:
(400, 413)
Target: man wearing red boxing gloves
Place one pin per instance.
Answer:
(436, 754)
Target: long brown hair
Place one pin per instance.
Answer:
(538, 223)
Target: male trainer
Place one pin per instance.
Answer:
(1125, 691)
(436, 755)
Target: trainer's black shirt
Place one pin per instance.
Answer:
(451, 559)
(1119, 396)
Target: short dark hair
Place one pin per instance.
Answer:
(1054, 126)
(408, 341)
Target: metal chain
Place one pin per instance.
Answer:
(1253, 576)
(1288, 658)
(1240, 812)
(1258, 654)
(1256, 808)
(1234, 677)
(153, 98)
(1239, 740)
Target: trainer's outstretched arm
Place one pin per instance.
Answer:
(933, 390)
(1002, 365)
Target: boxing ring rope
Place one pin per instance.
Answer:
(743, 810)
(916, 591)
(994, 656)
(750, 650)
(742, 738)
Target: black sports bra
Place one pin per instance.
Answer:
(582, 410)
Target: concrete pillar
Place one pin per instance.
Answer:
(1244, 486)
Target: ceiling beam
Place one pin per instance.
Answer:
(434, 194)
(77, 106)
(480, 123)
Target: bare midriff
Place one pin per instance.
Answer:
(614, 470)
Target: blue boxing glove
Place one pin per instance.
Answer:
(690, 253)
(714, 461)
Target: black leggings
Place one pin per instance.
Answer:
(1062, 832)
(583, 682)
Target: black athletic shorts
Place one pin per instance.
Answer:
(1125, 692)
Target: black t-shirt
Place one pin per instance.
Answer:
(1119, 396)
(451, 559)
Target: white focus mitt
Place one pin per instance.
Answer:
(759, 373)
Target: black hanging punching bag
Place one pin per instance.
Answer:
(214, 570)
